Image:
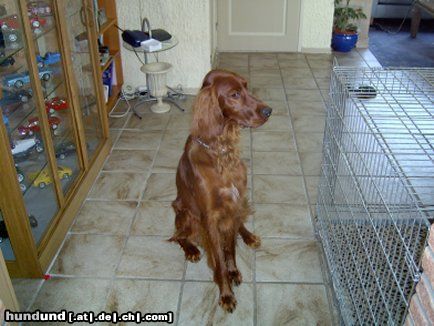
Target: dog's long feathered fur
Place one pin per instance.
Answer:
(211, 205)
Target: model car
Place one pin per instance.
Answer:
(48, 59)
(37, 22)
(22, 95)
(43, 178)
(11, 38)
(56, 104)
(6, 60)
(38, 8)
(9, 22)
(20, 79)
(33, 126)
(21, 149)
(63, 149)
(20, 177)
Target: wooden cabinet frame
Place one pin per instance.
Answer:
(32, 260)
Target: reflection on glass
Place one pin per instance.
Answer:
(82, 67)
(5, 244)
(56, 102)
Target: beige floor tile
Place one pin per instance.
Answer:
(292, 304)
(72, 294)
(200, 305)
(245, 257)
(282, 260)
(129, 160)
(242, 71)
(279, 108)
(300, 109)
(270, 189)
(114, 134)
(323, 83)
(308, 123)
(269, 73)
(311, 163)
(282, 220)
(309, 141)
(161, 187)
(154, 218)
(118, 123)
(25, 290)
(312, 188)
(180, 122)
(263, 64)
(239, 60)
(269, 94)
(103, 217)
(265, 81)
(297, 95)
(300, 83)
(296, 72)
(291, 56)
(151, 121)
(151, 257)
(264, 141)
(167, 160)
(89, 255)
(293, 63)
(118, 186)
(321, 73)
(144, 296)
(276, 123)
(276, 163)
(174, 139)
(146, 140)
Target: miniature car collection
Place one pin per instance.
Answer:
(63, 149)
(18, 80)
(43, 178)
(33, 126)
(49, 58)
(56, 104)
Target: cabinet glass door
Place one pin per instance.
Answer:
(57, 103)
(22, 118)
(80, 43)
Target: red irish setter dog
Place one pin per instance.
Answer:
(211, 205)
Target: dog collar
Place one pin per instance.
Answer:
(208, 147)
(200, 142)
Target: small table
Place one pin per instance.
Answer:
(172, 98)
(426, 5)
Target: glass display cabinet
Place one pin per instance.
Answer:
(53, 126)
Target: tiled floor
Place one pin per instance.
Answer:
(116, 256)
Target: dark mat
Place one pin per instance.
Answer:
(400, 50)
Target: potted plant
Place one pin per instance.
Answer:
(344, 31)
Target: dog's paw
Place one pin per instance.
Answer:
(192, 254)
(253, 241)
(236, 277)
(228, 302)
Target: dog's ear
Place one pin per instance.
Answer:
(207, 116)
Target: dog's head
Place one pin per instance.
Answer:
(224, 98)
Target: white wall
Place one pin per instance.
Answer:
(316, 25)
(189, 21)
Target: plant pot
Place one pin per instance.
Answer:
(344, 42)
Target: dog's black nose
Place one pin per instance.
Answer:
(266, 112)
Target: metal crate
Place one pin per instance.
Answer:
(376, 193)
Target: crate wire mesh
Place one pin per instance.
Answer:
(376, 193)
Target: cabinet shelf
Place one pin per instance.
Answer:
(109, 23)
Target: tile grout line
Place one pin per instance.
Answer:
(255, 297)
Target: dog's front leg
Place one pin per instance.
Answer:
(216, 255)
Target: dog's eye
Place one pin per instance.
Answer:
(236, 95)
